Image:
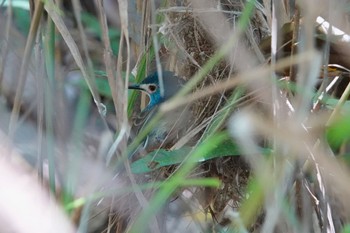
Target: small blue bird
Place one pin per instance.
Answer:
(150, 85)
(172, 124)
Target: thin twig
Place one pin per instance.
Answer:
(39, 7)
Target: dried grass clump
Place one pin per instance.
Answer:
(193, 46)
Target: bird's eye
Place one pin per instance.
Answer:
(152, 88)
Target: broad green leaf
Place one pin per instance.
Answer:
(162, 158)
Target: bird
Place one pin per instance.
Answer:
(150, 85)
(172, 124)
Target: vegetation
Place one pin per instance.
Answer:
(267, 85)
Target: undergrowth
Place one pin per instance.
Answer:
(267, 147)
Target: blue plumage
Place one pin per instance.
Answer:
(150, 85)
(163, 133)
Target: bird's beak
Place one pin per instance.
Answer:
(135, 87)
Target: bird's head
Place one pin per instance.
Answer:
(150, 85)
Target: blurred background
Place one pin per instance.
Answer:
(265, 147)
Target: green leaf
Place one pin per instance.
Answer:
(23, 4)
(102, 85)
(339, 132)
(162, 158)
(158, 159)
(331, 103)
(93, 25)
(22, 19)
(346, 229)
